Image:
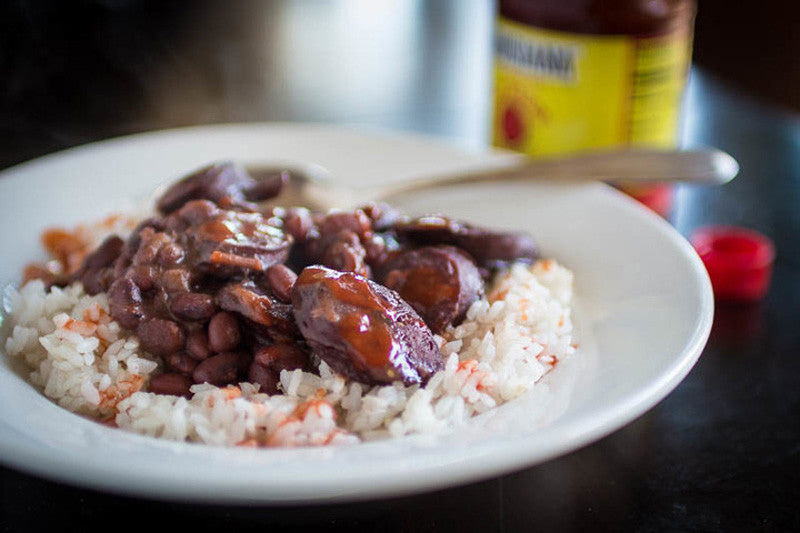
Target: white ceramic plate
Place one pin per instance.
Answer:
(644, 304)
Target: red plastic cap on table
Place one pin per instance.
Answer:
(738, 260)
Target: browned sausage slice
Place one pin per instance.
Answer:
(226, 243)
(439, 282)
(488, 248)
(214, 182)
(362, 329)
(269, 317)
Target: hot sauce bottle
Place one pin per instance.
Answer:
(588, 75)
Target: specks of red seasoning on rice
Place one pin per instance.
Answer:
(523, 303)
(320, 407)
(96, 314)
(480, 378)
(226, 394)
(232, 392)
(113, 394)
(499, 294)
(80, 326)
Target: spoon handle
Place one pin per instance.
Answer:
(704, 166)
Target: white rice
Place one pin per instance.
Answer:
(83, 360)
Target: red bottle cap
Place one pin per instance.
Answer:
(738, 260)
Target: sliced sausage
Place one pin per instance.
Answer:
(488, 248)
(266, 185)
(268, 317)
(362, 329)
(230, 243)
(216, 182)
(439, 282)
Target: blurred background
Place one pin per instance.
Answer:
(81, 70)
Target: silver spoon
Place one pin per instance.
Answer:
(312, 186)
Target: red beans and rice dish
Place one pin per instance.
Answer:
(223, 321)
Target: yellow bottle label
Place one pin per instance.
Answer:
(559, 92)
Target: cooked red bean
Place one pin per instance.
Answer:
(171, 254)
(269, 361)
(298, 223)
(382, 215)
(193, 306)
(105, 254)
(375, 250)
(151, 241)
(143, 276)
(181, 362)
(223, 332)
(281, 280)
(220, 369)
(282, 357)
(175, 280)
(97, 280)
(346, 254)
(266, 378)
(197, 345)
(125, 303)
(171, 383)
(363, 329)
(355, 221)
(159, 336)
(91, 281)
(439, 282)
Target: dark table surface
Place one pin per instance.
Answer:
(721, 453)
